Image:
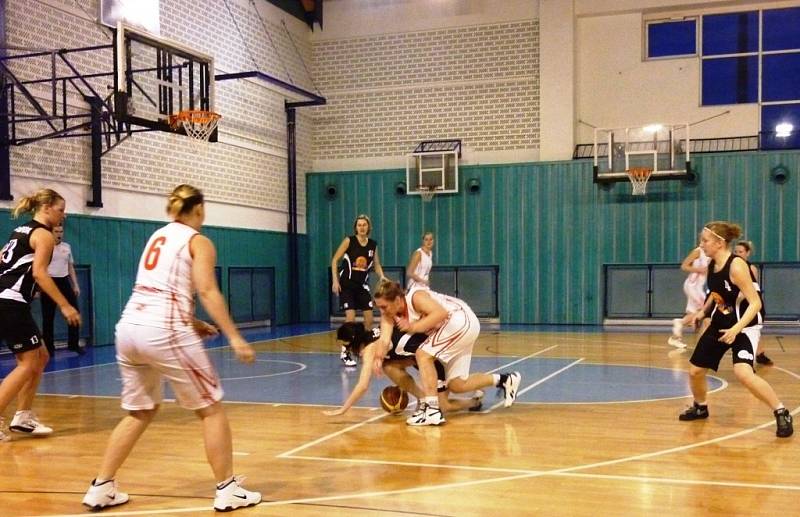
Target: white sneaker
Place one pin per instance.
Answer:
(26, 422)
(103, 495)
(346, 358)
(676, 341)
(677, 327)
(232, 496)
(426, 415)
(510, 387)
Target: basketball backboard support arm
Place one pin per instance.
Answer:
(294, 97)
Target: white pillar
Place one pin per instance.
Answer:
(556, 79)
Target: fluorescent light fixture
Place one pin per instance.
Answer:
(783, 130)
(653, 128)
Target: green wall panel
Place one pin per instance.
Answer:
(112, 248)
(550, 229)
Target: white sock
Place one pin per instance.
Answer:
(496, 379)
(432, 402)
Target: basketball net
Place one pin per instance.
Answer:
(426, 193)
(639, 177)
(198, 124)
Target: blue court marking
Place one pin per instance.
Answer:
(320, 379)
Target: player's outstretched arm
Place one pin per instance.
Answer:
(361, 387)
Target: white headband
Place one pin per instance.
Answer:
(715, 233)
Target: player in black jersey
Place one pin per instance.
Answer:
(359, 342)
(359, 256)
(744, 249)
(736, 314)
(23, 265)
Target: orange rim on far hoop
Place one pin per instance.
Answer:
(639, 177)
(198, 124)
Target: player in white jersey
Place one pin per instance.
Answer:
(696, 264)
(744, 249)
(158, 337)
(419, 266)
(452, 330)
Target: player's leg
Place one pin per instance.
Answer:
(396, 371)
(428, 412)
(743, 368)
(25, 420)
(707, 355)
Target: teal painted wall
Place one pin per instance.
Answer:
(112, 247)
(550, 229)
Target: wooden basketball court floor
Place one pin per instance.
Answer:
(595, 432)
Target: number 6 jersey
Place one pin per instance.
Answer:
(163, 295)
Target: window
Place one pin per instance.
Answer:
(671, 38)
(731, 33)
(780, 80)
(730, 80)
(781, 29)
(780, 126)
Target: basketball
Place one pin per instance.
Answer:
(393, 399)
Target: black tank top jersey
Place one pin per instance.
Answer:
(16, 265)
(358, 261)
(730, 304)
(405, 345)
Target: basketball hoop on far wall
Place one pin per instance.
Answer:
(198, 124)
(426, 193)
(639, 177)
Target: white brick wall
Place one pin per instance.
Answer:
(247, 167)
(388, 92)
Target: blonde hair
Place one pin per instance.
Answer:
(724, 230)
(388, 290)
(365, 217)
(183, 199)
(32, 203)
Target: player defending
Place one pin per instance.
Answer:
(158, 337)
(736, 317)
(452, 330)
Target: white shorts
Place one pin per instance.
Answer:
(695, 296)
(146, 355)
(452, 343)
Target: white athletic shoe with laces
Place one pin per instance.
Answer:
(676, 342)
(232, 496)
(346, 358)
(103, 495)
(510, 387)
(426, 415)
(26, 422)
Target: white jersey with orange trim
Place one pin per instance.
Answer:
(163, 295)
(423, 269)
(450, 303)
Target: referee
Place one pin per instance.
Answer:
(62, 270)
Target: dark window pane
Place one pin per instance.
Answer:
(732, 33)
(671, 39)
(780, 80)
(730, 80)
(775, 114)
(781, 29)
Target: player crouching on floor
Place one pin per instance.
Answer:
(361, 343)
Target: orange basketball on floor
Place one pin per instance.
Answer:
(393, 399)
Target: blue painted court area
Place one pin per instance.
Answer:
(319, 378)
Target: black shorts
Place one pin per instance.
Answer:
(17, 328)
(355, 297)
(709, 350)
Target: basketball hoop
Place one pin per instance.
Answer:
(198, 124)
(426, 193)
(639, 177)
